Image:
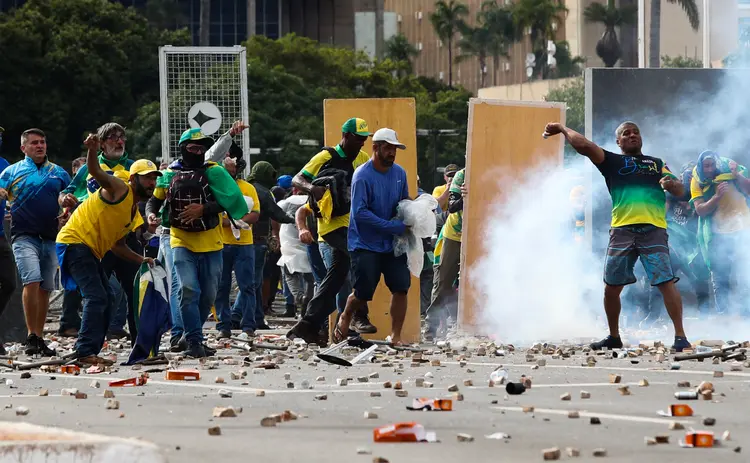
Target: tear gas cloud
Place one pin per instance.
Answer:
(535, 283)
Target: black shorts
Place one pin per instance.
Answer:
(629, 243)
(368, 266)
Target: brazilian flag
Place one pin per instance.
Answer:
(152, 315)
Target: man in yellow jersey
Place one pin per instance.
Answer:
(442, 192)
(238, 256)
(98, 225)
(333, 230)
(637, 184)
(195, 237)
(447, 260)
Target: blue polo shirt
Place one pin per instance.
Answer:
(375, 198)
(3, 165)
(33, 191)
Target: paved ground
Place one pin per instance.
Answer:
(176, 415)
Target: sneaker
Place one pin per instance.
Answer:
(264, 326)
(117, 334)
(361, 324)
(195, 350)
(304, 330)
(2, 349)
(210, 351)
(609, 342)
(32, 347)
(249, 333)
(95, 360)
(680, 343)
(224, 334)
(291, 312)
(43, 349)
(68, 333)
(178, 344)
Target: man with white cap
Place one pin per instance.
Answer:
(377, 187)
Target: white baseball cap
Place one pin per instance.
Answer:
(388, 136)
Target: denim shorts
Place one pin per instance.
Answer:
(36, 260)
(632, 242)
(368, 266)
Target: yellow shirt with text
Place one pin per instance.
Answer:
(246, 236)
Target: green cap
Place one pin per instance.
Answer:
(356, 126)
(196, 136)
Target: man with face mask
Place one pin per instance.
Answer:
(32, 185)
(195, 232)
(346, 156)
(719, 190)
(99, 225)
(637, 184)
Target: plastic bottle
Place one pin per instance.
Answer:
(499, 376)
(686, 395)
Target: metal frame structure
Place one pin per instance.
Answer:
(204, 58)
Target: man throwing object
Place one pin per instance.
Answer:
(636, 183)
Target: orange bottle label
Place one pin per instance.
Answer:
(700, 439)
(182, 375)
(681, 410)
(399, 432)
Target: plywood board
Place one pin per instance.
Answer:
(400, 115)
(504, 137)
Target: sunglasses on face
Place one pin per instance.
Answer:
(196, 149)
(117, 137)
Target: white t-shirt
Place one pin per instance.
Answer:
(293, 251)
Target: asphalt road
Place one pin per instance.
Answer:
(177, 415)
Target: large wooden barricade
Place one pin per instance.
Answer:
(400, 115)
(503, 136)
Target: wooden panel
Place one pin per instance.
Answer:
(505, 137)
(400, 115)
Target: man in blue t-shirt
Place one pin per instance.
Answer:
(377, 187)
(32, 185)
(7, 265)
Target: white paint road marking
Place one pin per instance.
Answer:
(576, 367)
(609, 416)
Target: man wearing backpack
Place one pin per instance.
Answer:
(195, 235)
(346, 157)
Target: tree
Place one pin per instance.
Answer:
(399, 49)
(540, 17)
(567, 64)
(204, 25)
(691, 10)
(608, 47)
(165, 14)
(447, 19)
(475, 43)
(503, 31)
(680, 62)
(70, 65)
(573, 95)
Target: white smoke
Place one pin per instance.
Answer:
(534, 282)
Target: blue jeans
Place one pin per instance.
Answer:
(260, 259)
(167, 257)
(198, 275)
(71, 306)
(316, 262)
(288, 296)
(241, 260)
(326, 252)
(120, 313)
(98, 300)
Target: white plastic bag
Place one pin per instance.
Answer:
(420, 216)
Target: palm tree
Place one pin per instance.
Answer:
(691, 10)
(447, 19)
(608, 47)
(204, 39)
(399, 49)
(499, 21)
(540, 16)
(476, 42)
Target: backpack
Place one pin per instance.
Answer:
(338, 182)
(190, 186)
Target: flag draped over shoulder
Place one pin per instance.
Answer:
(152, 314)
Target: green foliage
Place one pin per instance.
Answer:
(70, 65)
(680, 62)
(573, 95)
(610, 15)
(399, 50)
(447, 20)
